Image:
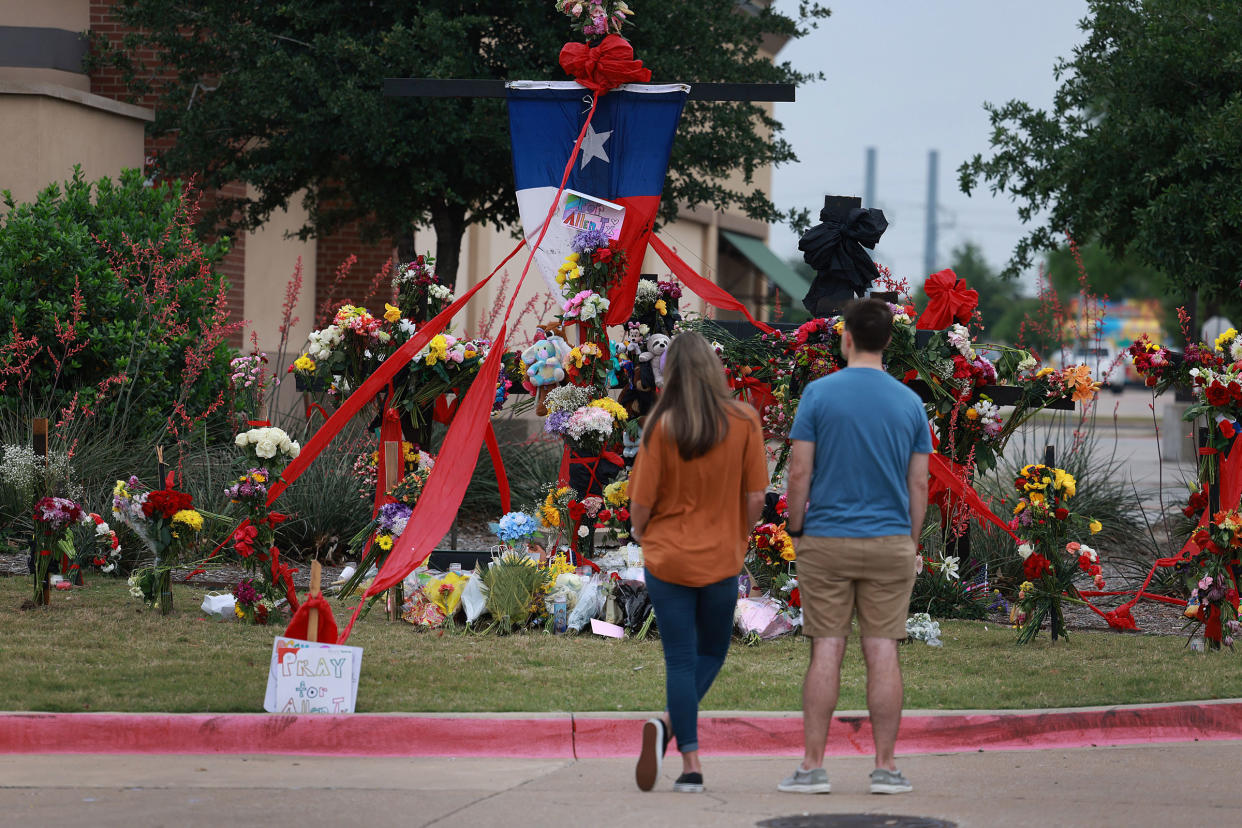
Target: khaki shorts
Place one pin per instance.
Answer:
(838, 576)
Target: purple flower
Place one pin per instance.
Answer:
(393, 517)
(588, 240)
(556, 422)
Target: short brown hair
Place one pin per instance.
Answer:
(870, 322)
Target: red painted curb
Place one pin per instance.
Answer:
(566, 737)
(261, 733)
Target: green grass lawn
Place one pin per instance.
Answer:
(97, 649)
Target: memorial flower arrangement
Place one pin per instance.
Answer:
(595, 18)
(514, 584)
(1209, 573)
(268, 446)
(375, 540)
(515, 529)
(1051, 556)
(615, 513)
(417, 466)
(107, 545)
(54, 519)
(168, 525)
(420, 296)
(249, 603)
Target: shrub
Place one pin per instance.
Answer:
(109, 305)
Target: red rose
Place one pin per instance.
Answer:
(167, 502)
(623, 514)
(1235, 391)
(604, 515)
(576, 511)
(1035, 566)
(1226, 428)
(602, 254)
(1217, 395)
(1061, 513)
(911, 374)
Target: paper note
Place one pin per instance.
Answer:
(607, 630)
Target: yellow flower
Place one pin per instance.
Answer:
(1064, 482)
(1043, 372)
(121, 490)
(612, 407)
(437, 350)
(662, 307)
(1095, 526)
(837, 328)
(304, 364)
(238, 611)
(787, 549)
(190, 518)
(1036, 497)
(575, 356)
(1021, 505)
(971, 414)
(391, 313)
(384, 541)
(1225, 338)
(617, 493)
(550, 516)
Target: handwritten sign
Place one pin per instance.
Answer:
(310, 677)
(582, 212)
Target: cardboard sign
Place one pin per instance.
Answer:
(580, 211)
(310, 677)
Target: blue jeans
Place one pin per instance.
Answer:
(695, 624)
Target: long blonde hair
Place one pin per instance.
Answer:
(696, 400)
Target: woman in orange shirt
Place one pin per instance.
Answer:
(696, 491)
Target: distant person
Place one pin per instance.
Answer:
(860, 447)
(696, 490)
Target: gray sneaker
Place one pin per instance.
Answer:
(889, 782)
(814, 781)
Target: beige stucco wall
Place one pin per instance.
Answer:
(271, 260)
(73, 15)
(46, 129)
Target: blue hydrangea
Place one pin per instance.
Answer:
(515, 526)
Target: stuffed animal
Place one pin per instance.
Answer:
(657, 344)
(543, 361)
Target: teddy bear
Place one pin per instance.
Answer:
(657, 344)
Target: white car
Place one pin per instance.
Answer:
(1104, 361)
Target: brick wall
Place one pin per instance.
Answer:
(331, 251)
(107, 82)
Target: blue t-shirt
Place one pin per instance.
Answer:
(865, 426)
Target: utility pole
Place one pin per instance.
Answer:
(869, 181)
(929, 240)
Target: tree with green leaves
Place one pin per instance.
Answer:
(287, 97)
(1142, 149)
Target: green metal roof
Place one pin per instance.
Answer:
(762, 257)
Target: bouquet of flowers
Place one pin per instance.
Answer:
(255, 540)
(515, 584)
(1051, 560)
(249, 604)
(168, 525)
(107, 544)
(595, 18)
(770, 551)
(615, 514)
(1209, 572)
(267, 446)
(54, 519)
(420, 296)
(375, 540)
(417, 466)
(515, 529)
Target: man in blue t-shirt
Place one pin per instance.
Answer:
(860, 447)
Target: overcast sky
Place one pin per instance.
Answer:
(906, 77)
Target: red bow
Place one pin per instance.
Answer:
(948, 301)
(603, 67)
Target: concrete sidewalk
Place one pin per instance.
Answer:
(1169, 784)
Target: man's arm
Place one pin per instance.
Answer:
(916, 482)
(798, 489)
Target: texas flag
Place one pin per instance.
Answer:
(616, 181)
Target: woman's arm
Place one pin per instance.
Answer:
(639, 515)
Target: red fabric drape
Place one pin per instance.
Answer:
(948, 301)
(706, 290)
(300, 623)
(603, 67)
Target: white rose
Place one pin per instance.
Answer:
(294, 449)
(240, 440)
(265, 449)
(1025, 550)
(583, 531)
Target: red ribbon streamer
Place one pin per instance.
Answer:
(498, 463)
(945, 480)
(706, 290)
(603, 67)
(948, 300)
